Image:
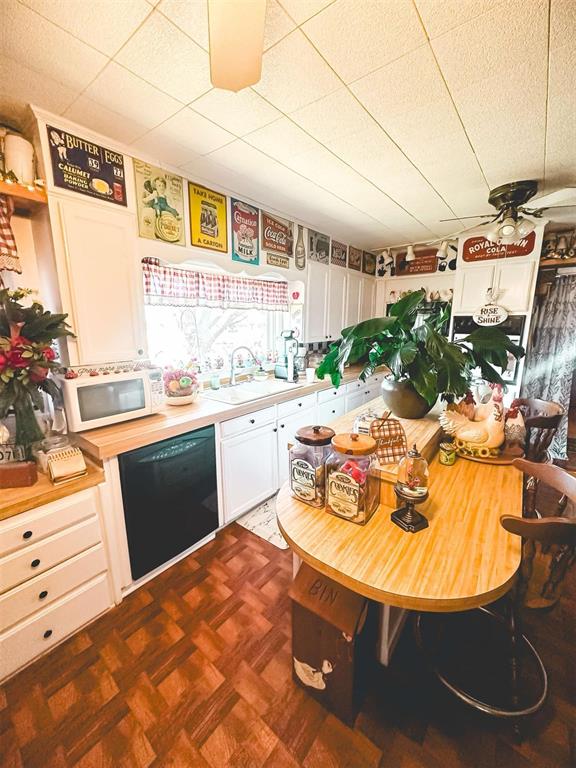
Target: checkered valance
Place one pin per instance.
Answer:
(171, 286)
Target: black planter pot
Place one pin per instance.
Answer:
(403, 400)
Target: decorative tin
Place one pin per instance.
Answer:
(447, 454)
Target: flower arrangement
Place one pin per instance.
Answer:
(180, 382)
(26, 359)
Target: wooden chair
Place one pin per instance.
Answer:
(541, 418)
(433, 630)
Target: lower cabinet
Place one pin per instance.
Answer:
(355, 400)
(331, 409)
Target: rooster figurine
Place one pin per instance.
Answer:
(482, 436)
(514, 432)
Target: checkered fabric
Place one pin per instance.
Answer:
(8, 252)
(390, 439)
(172, 286)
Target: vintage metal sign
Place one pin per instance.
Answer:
(276, 260)
(84, 167)
(244, 232)
(355, 258)
(276, 235)
(160, 203)
(490, 314)
(338, 254)
(208, 218)
(368, 263)
(319, 249)
(481, 249)
(425, 263)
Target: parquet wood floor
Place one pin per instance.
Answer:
(193, 670)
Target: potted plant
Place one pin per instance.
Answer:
(423, 363)
(26, 359)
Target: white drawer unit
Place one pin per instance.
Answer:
(43, 590)
(43, 630)
(29, 527)
(327, 395)
(331, 410)
(354, 386)
(250, 421)
(37, 558)
(295, 406)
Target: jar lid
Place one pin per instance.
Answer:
(354, 444)
(316, 435)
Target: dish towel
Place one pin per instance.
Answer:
(8, 252)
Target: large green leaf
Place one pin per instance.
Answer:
(368, 328)
(406, 307)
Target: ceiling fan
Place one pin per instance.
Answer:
(513, 219)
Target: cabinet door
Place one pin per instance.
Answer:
(287, 429)
(472, 284)
(105, 283)
(354, 400)
(336, 302)
(367, 298)
(331, 410)
(380, 299)
(316, 301)
(515, 284)
(249, 464)
(353, 292)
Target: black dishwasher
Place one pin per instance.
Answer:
(170, 497)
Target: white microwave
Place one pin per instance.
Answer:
(108, 398)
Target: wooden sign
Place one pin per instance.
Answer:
(355, 258)
(368, 263)
(84, 167)
(275, 235)
(244, 232)
(481, 249)
(338, 254)
(208, 218)
(490, 314)
(425, 263)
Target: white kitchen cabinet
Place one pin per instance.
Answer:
(249, 469)
(367, 298)
(316, 302)
(380, 298)
(331, 409)
(354, 400)
(512, 280)
(100, 281)
(515, 285)
(353, 299)
(287, 428)
(335, 315)
(472, 286)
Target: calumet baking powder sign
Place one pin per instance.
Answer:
(481, 249)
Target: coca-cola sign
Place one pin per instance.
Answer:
(481, 249)
(275, 234)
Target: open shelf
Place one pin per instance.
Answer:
(557, 263)
(25, 200)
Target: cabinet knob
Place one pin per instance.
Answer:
(47, 634)
(299, 405)
(26, 534)
(140, 351)
(275, 429)
(252, 421)
(35, 563)
(333, 411)
(43, 594)
(281, 426)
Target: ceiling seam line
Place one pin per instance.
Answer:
(549, 57)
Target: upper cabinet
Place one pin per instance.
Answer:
(512, 284)
(367, 298)
(316, 302)
(100, 281)
(353, 299)
(335, 315)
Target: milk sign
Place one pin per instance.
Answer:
(490, 314)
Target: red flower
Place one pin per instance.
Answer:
(15, 359)
(49, 353)
(3, 361)
(20, 341)
(38, 374)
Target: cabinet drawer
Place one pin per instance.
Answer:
(23, 530)
(31, 561)
(45, 589)
(42, 631)
(326, 395)
(295, 406)
(250, 421)
(354, 386)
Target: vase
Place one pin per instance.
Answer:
(403, 400)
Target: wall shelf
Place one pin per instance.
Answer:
(557, 263)
(25, 200)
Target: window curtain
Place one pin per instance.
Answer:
(172, 286)
(551, 357)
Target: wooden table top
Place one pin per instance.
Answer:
(463, 560)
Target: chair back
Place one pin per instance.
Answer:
(541, 418)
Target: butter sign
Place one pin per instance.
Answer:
(490, 314)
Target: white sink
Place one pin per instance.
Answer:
(249, 390)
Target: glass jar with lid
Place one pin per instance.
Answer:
(307, 457)
(352, 478)
(412, 479)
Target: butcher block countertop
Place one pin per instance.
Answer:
(13, 501)
(106, 442)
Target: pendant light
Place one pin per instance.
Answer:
(410, 255)
(236, 32)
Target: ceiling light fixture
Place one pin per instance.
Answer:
(236, 32)
(410, 255)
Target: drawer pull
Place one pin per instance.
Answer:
(43, 594)
(333, 411)
(299, 405)
(275, 429)
(35, 563)
(281, 426)
(252, 421)
(47, 634)
(26, 534)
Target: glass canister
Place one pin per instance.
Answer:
(413, 474)
(352, 478)
(307, 457)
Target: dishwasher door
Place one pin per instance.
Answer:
(170, 497)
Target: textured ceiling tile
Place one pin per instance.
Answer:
(336, 115)
(123, 92)
(38, 44)
(439, 16)
(301, 10)
(191, 16)
(104, 24)
(277, 24)
(293, 74)
(165, 57)
(97, 118)
(162, 151)
(240, 112)
(191, 130)
(281, 139)
(356, 39)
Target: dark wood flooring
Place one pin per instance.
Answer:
(194, 671)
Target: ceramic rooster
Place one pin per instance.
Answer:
(514, 432)
(481, 437)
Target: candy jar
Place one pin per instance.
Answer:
(413, 475)
(352, 478)
(307, 457)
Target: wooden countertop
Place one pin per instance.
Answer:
(464, 559)
(13, 501)
(171, 421)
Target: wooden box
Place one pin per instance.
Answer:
(333, 642)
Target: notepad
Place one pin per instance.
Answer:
(66, 464)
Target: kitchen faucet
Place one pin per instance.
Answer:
(232, 372)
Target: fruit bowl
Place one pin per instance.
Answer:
(182, 399)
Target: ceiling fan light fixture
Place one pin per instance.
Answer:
(524, 227)
(442, 252)
(507, 227)
(236, 33)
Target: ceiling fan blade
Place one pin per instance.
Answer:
(479, 216)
